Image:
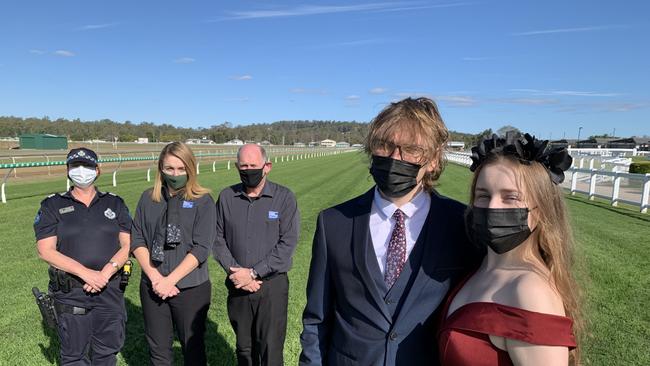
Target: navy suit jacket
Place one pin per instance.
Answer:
(346, 320)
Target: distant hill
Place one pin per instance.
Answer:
(276, 133)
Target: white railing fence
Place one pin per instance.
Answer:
(613, 185)
(275, 156)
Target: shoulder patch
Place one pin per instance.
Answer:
(109, 214)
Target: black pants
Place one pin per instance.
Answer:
(186, 311)
(99, 332)
(260, 321)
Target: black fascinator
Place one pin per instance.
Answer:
(526, 149)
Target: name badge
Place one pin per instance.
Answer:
(273, 215)
(188, 204)
(66, 210)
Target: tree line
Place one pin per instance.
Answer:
(287, 132)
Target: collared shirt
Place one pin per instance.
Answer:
(89, 235)
(257, 232)
(197, 232)
(382, 222)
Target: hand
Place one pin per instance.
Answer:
(240, 277)
(253, 286)
(165, 288)
(94, 280)
(108, 271)
(154, 276)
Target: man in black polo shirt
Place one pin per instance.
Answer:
(257, 232)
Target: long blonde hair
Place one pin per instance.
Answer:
(193, 189)
(552, 238)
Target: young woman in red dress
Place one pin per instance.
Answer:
(520, 306)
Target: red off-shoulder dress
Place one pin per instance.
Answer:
(464, 336)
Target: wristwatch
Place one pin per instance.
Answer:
(115, 265)
(254, 274)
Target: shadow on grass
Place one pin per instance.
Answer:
(136, 349)
(51, 351)
(604, 205)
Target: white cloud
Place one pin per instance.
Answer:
(352, 100)
(241, 77)
(457, 100)
(307, 91)
(238, 99)
(421, 7)
(97, 26)
(184, 60)
(620, 106)
(526, 101)
(37, 52)
(64, 53)
(568, 30)
(403, 95)
(309, 10)
(377, 90)
(572, 93)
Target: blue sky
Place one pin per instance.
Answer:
(545, 67)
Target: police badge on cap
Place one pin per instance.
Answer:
(82, 155)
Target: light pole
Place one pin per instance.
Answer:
(578, 142)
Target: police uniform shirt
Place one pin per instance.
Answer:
(259, 233)
(197, 231)
(89, 235)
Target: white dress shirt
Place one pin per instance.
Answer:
(382, 223)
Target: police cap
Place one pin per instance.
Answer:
(82, 155)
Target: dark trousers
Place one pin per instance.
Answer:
(186, 311)
(99, 332)
(260, 321)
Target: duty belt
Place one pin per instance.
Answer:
(64, 281)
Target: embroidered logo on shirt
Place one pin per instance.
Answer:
(37, 219)
(273, 215)
(65, 210)
(188, 204)
(109, 214)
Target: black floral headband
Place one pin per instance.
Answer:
(526, 149)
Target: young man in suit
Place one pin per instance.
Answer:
(383, 262)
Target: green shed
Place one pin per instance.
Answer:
(43, 142)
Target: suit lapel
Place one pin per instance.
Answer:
(431, 239)
(360, 241)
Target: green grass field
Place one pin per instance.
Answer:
(613, 243)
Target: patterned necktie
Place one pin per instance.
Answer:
(396, 254)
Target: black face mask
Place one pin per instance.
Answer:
(394, 178)
(251, 178)
(502, 229)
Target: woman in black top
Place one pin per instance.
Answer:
(84, 235)
(173, 231)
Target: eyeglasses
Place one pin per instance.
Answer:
(411, 153)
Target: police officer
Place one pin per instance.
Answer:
(84, 235)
